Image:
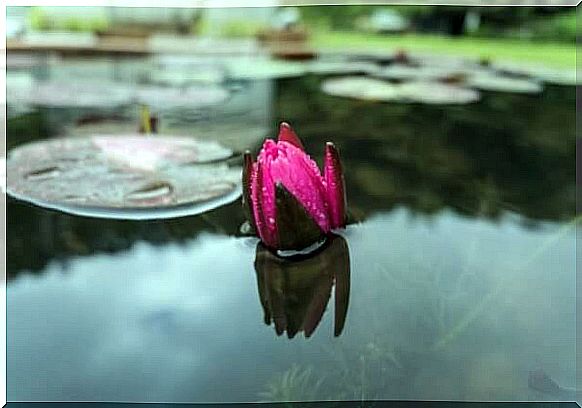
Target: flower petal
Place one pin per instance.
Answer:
(259, 196)
(300, 175)
(296, 228)
(286, 134)
(248, 168)
(334, 180)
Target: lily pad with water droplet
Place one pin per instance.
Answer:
(500, 83)
(362, 88)
(126, 177)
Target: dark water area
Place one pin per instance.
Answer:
(461, 269)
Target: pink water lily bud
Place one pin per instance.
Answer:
(287, 200)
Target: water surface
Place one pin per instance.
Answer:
(461, 258)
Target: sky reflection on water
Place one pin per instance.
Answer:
(184, 322)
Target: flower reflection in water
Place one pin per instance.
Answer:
(294, 291)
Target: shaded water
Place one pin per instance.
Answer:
(462, 268)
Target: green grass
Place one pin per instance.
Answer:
(548, 53)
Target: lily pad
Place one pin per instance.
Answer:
(124, 176)
(436, 93)
(404, 72)
(362, 88)
(499, 83)
(341, 67)
(235, 136)
(259, 69)
(191, 97)
(77, 94)
(417, 91)
(549, 75)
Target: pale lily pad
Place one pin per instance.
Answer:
(417, 91)
(185, 77)
(499, 83)
(362, 88)
(77, 94)
(341, 67)
(550, 75)
(259, 69)
(234, 136)
(436, 93)
(404, 72)
(126, 177)
(191, 97)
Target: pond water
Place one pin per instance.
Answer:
(461, 265)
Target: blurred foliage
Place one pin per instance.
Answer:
(543, 23)
(550, 53)
(41, 21)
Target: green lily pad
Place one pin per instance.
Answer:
(499, 83)
(362, 88)
(125, 176)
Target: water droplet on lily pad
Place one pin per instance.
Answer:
(123, 176)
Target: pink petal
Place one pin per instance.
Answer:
(286, 134)
(289, 165)
(334, 180)
(259, 199)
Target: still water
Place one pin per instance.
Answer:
(460, 267)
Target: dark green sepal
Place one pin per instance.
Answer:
(295, 227)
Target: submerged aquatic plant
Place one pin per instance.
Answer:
(295, 384)
(288, 202)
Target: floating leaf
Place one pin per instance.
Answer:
(408, 72)
(550, 75)
(436, 93)
(416, 91)
(499, 83)
(341, 67)
(257, 69)
(191, 97)
(126, 176)
(77, 94)
(361, 88)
